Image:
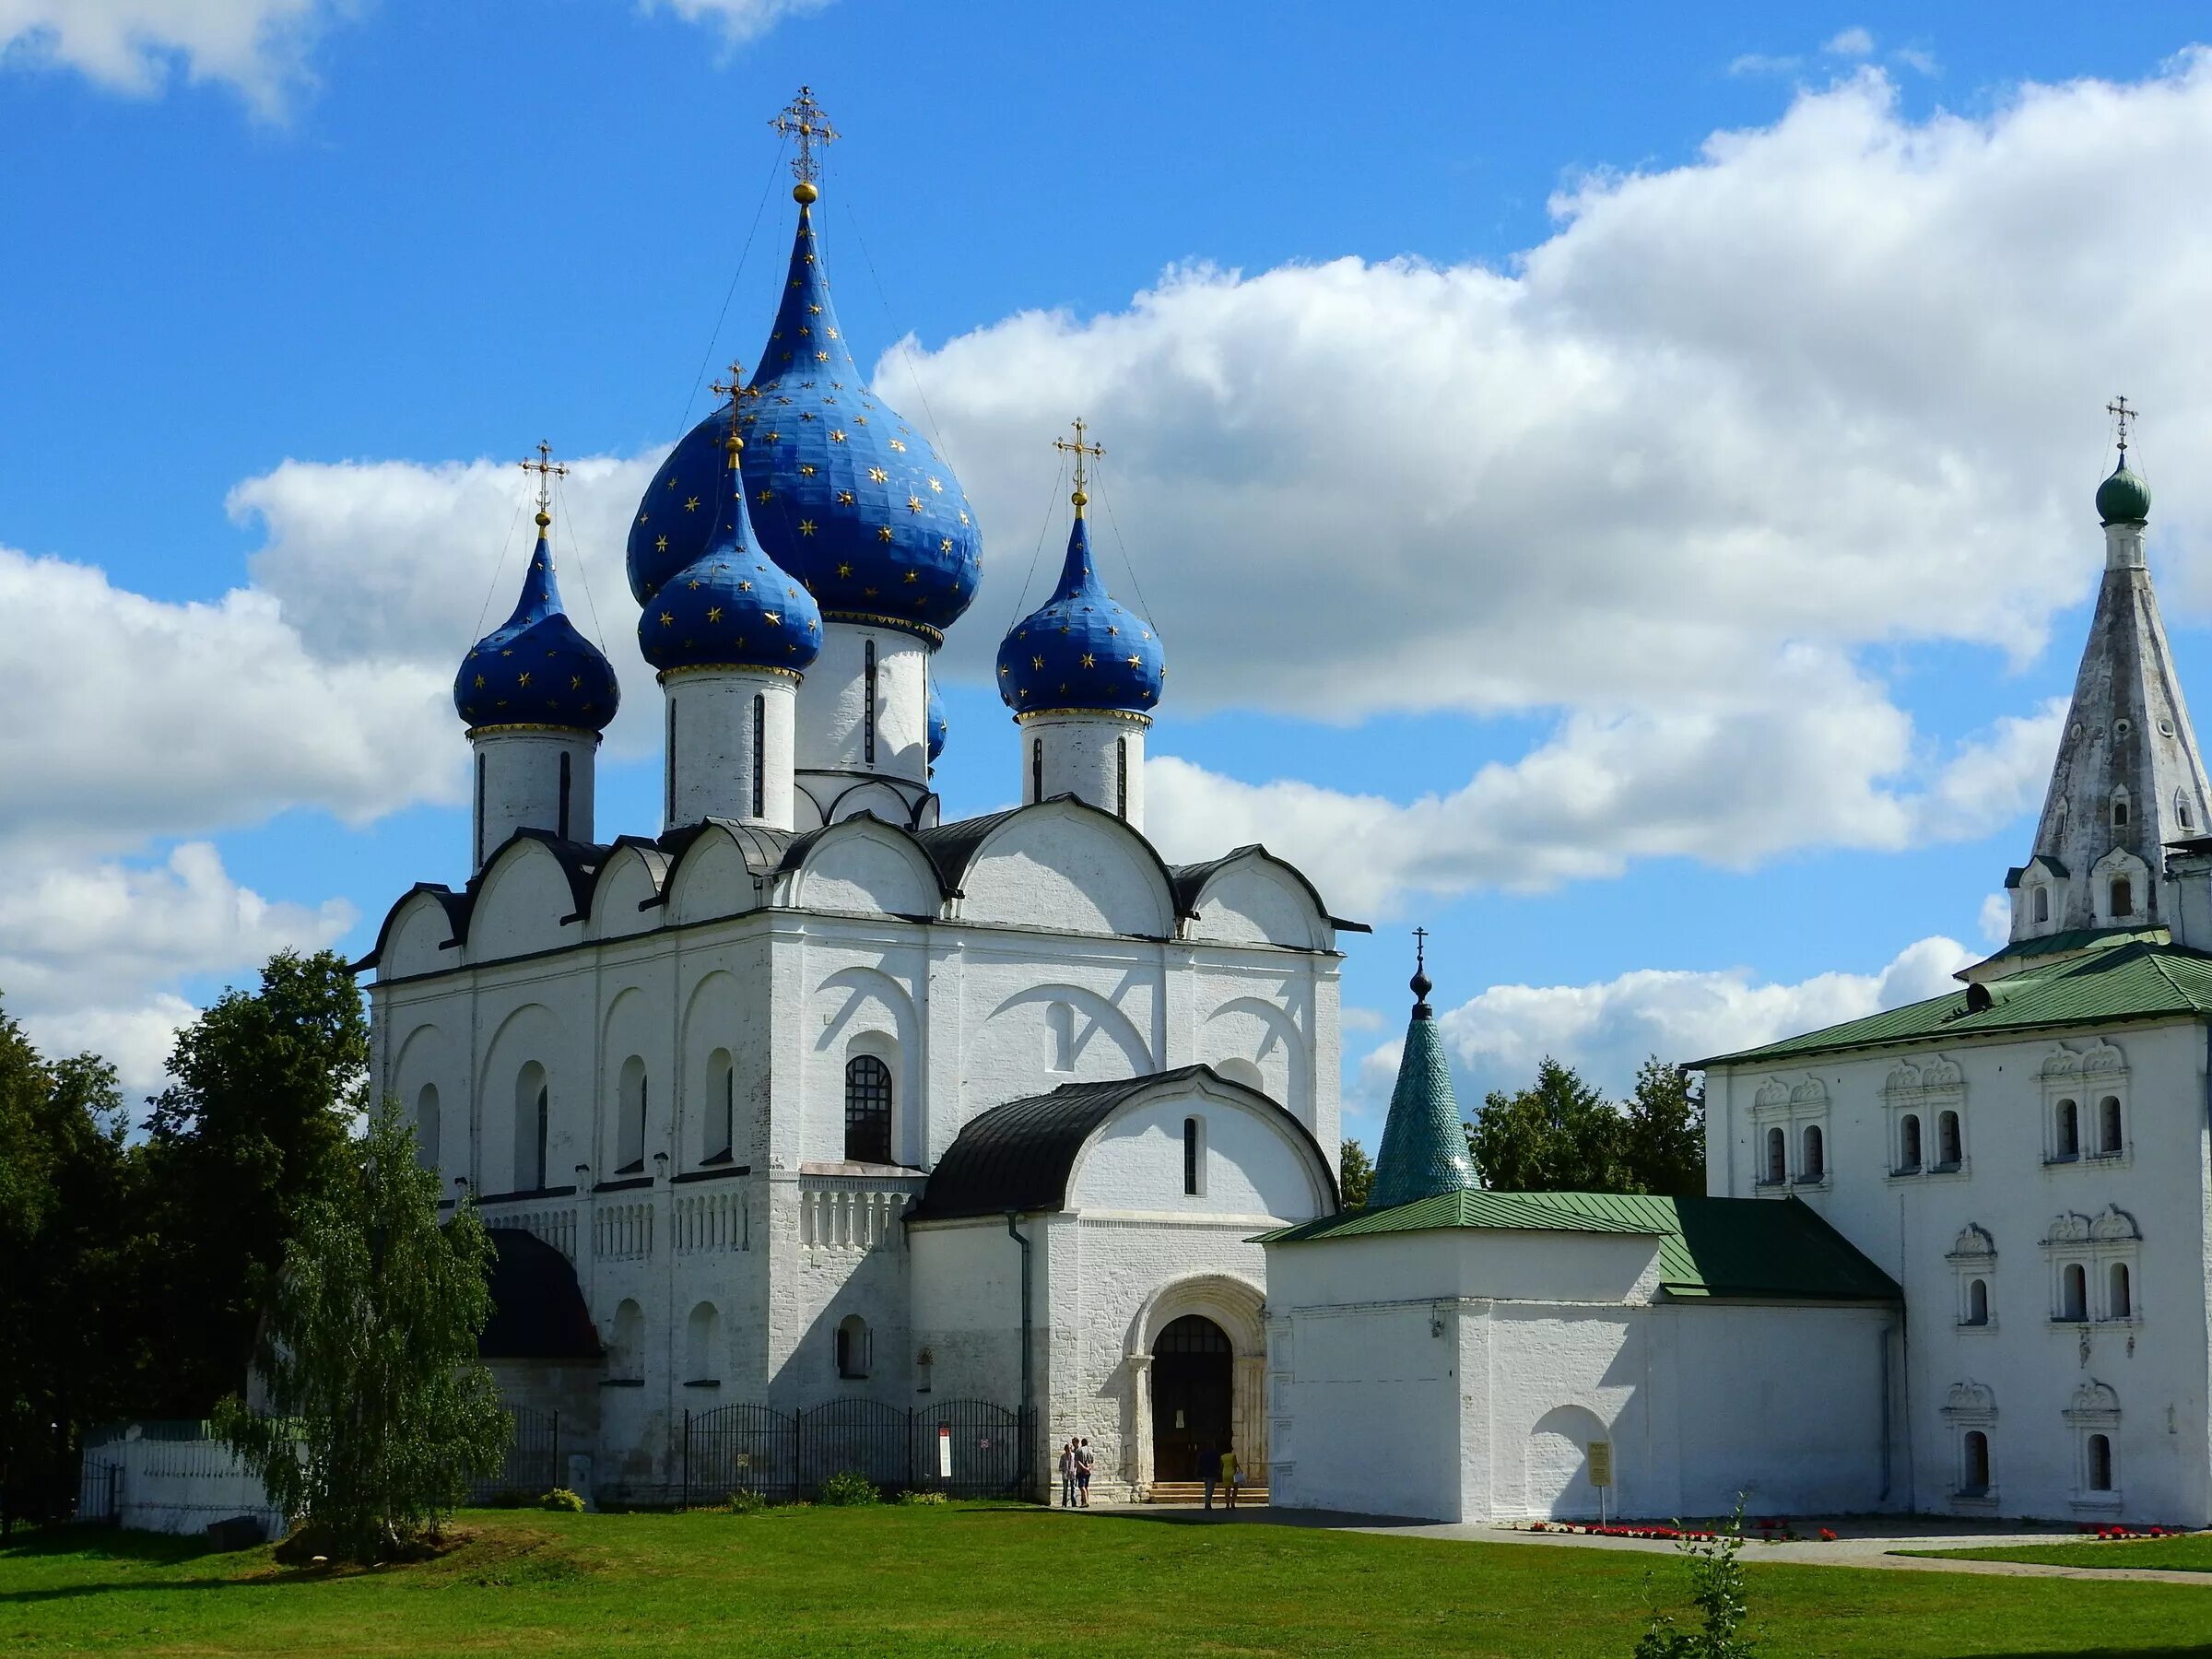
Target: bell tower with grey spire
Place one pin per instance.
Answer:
(2128, 780)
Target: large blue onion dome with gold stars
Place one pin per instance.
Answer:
(938, 726)
(1082, 649)
(535, 668)
(731, 608)
(844, 494)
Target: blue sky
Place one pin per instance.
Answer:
(1614, 487)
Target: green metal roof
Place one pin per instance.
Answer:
(1735, 1247)
(2079, 938)
(2134, 981)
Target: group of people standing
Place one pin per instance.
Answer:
(1216, 1467)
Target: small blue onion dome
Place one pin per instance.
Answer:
(844, 494)
(731, 608)
(535, 668)
(1082, 649)
(2122, 499)
(937, 725)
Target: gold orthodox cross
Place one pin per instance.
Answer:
(2120, 412)
(731, 389)
(548, 469)
(803, 121)
(1082, 452)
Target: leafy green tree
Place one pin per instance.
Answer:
(380, 1414)
(1558, 1135)
(267, 1083)
(72, 1256)
(1356, 1177)
(1664, 1139)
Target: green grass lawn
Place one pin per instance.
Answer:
(2189, 1554)
(1001, 1580)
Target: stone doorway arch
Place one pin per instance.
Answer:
(1239, 1307)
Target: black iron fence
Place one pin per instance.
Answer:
(99, 1491)
(532, 1468)
(962, 1448)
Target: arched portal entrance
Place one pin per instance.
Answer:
(1193, 1386)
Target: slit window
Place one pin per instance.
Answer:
(2072, 1293)
(2101, 1463)
(1036, 769)
(1194, 1157)
(1120, 777)
(668, 790)
(2068, 1144)
(2120, 810)
(867, 737)
(479, 805)
(759, 755)
(566, 781)
(1973, 1471)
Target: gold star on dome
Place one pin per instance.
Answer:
(860, 420)
(575, 682)
(672, 480)
(522, 678)
(783, 400)
(766, 495)
(480, 682)
(963, 515)
(1089, 661)
(806, 526)
(844, 497)
(694, 583)
(773, 617)
(714, 613)
(821, 357)
(913, 503)
(878, 476)
(913, 575)
(945, 546)
(1111, 629)
(807, 471)
(691, 505)
(815, 309)
(1003, 671)
(806, 414)
(661, 545)
(745, 587)
(813, 627)
(1134, 660)
(1037, 662)
(836, 436)
(833, 334)
(936, 487)
(803, 333)
(898, 446)
(667, 620)
(845, 569)
(883, 532)
(641, 518)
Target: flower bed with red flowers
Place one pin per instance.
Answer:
(1585, 1529)
(2112, 1532)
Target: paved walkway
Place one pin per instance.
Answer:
(1861, 1544)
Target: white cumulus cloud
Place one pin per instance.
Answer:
(739, 20)
(259, 47)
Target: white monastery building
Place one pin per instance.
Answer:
(1955, 1258)
(817, 1129)
(811, 1100)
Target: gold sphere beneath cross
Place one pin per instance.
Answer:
(804, 194)
(543, 519)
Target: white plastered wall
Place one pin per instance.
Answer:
(518, 784)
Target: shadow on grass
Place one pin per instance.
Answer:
(108, 1544)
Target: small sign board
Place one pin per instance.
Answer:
(945, 1453)
(1601, 1463)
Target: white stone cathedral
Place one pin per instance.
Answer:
(810, 1094)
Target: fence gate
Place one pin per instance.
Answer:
(740, 1448)
(532, 1466)
(967, 1449)
(99, 1491)
(866, 1435)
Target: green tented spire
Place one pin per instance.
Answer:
(1424, 1148)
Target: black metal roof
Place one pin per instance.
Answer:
(537, 1311)
(1018, 1156)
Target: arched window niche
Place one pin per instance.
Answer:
(2110, 1140)
(1777, 1158)
(2119, 810)
(1060, 1037)
(2120, 1292)
(718, 1117)
(1950, 1145)
(867, 1109)
(855, 1343)
(1812, 1156)
(702, 1347)
(533, 1109)
(2040, 902)
(1194, 1157)
(626, 1350)
(2073, 1294)
(2124, 898)
(427, 1127)
(630, 1118)
(2066, 1131)
(1977, 1302)
(1974, 1465)
(1907, 1144)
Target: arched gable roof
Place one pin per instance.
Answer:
(954, 847)
(456, 906)
(537, 1311)
(1020, 1155)
(809, 854)
(761, 849)
(1190, 881)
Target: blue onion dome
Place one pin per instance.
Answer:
(938, 726)
(535, 668)
(730, 608)
(1082, 649)
(844, 494)
(2123, 499)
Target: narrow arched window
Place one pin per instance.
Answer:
(1777, 1158)
(626, 1353)
(1060, 1036)
(2101, 1463)
(427, 1127)
(2074, 1293)
(2120, 1293)
(719, 1130)
(668, 786)
(852, 1347)
(1973, 1473)
(2042, 905)
(868, 1111)
(759, 755)
(565, 781)
(2181, 812)
(1120, 777)
(702, 1345)
(2123, 897)
(2120, 809)
(480, 807)
(1812, 1163)
(1907, 1144)
(2068, 1140)
(1194, 1157)
(630, 1118)
(1949, 1150)
(1036, 769)
(532, 1106)
(2108, 1127)
(867, 737)
(1977, 1302)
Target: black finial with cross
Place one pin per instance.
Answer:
(1422, 986)
(802, 121)
(2122, 414)
(548, 469)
